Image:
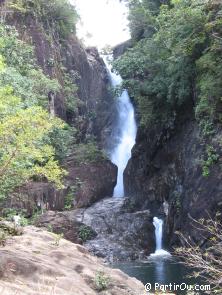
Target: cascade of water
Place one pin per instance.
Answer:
(158, 224)
(126, 133)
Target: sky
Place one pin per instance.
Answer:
(103, 22)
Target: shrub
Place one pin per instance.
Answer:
(206, 261)
(85, 233)
(88, 153)
(211, 158)
(69, 198)
(101, 281)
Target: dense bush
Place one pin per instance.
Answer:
(175, 60)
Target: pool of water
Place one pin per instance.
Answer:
(159, 270)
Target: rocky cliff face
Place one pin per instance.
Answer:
(166, 166)
(93, 116)
(88, 72)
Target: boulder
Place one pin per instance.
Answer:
(121, 235)
(60, 223)
(92, 181)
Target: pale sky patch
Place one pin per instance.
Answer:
(103, 22)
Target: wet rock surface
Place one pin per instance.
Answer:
(121, 235)
(166, 166)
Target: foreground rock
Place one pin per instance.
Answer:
(121, 235)
(38, 263)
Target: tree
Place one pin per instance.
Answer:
(23, 151)
(205, 261)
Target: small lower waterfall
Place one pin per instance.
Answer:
(158, 224)
(126, 133)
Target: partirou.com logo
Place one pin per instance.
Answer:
(172, 287)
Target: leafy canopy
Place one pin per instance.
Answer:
(175, 60)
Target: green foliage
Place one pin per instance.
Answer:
(88, 153)
(58, 16)
(2, 238)
(68, 203)
(159, 69)
(9, 213)
(85, 233)
(72, 190)
(49, 228)
(70, 93)
(176, 59)
(142, 17)
(22, 74)
(24, 154)
(211, 158)
(34, 82)
(28, 82)
(16, 53)
(175, 65)
(35, 216)
(62, 139)
(101, 281)
(69, 198)
(208, 110)
(58, 238)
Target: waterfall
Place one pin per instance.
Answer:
(158, 224)
(126, 133)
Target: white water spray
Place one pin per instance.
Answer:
(127, 133)
(158, 224)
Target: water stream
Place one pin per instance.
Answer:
(158, 224)
(125, 133)
(160, 266)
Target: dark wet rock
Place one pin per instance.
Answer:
(93, 181)
(121, 48)
(166, 166)
(121, 235)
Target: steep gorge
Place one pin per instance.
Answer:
(166, 167)
(176, 162)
